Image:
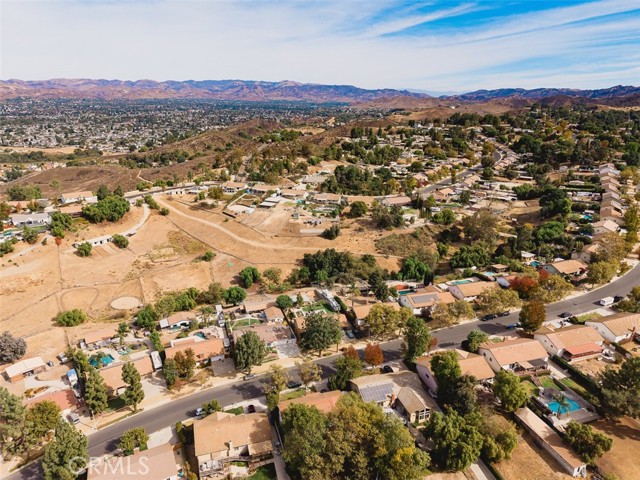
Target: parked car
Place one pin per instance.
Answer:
(251, 409)
(249, 376)
(199, 412)
(349, 334)
(606, 301)
(294, 384)
(512, 326)
(505, 314)
(565, 315)
(387, 369)
(618, 298)
(489, 316)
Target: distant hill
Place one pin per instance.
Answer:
(239, 90)
(539, 93)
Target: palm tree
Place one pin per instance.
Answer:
(563, 404)
(122, 331)
(353, 290)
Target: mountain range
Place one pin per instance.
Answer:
(258, 91)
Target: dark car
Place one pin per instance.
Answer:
(490, 316)
(251, 409)
(294, 384)
(505, 314)
(387, 369)
(618, 298)
(512, 326)
(565, 315)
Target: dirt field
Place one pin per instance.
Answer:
(621, 459)
(530, 462)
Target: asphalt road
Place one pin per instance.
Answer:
(105, 440)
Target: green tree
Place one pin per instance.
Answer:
(30, 235)
(120, 241)
(170, 371)
(214, 294)
(457, 443)
(84, 249)
(551, 288)
(508, 388)
(66, 454)
(496, 300)
(308, 371)
(234, 295)
(211, 406)
(12, 418)
(249, 350)
(132, 439)
(185, 363)
(11, 348)
(123, 329)
(71, 318)
(500, 438)
(39, 421)
(102, 192)
(249, 276)
(284, 302)
(480, 227)
(358, 209)
(278, 378)
(601, 272)
(95, 392)
(460, 309)
(417, 338)
(383, 320)
(347, 368)
(147, 317)
(475, 338)
(133, 393)
(321, 331)
(305, 430)
(532, 316)
(156, 341)
(588, 444)
(621, 388)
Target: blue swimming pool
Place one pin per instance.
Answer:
(105, 361)
(461, 282)
(572, 405)
(201, 335)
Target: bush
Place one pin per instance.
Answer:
(30, 235)
(84, 249)
(111, 208)
(120, 241)
(71, 318)
(208, 256)
(332, 232)
(164, 211)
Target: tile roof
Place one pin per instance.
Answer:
(620, 323)
(516, 350)
(203, 349)
(213, 433)
(158, 463)
(571, 336)
(112, 374)
(323, 401)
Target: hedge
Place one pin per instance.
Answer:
(581, 378)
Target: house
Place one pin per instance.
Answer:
(258, 304)
(178, 320)
(273, 314)
(361, 312)
(399, 201)
(222, 438)
(25, 368)
(572, 268)
(30, 219)
(470, 291)
(112, 375)
(64, 399)
(274, 335)
(157, 463)
(527, 257)
(367, 200)
(576, 342)
(73, 210)
(499, 268)
(470, 364)
(418, 301)
(619, 327)
(327, 198)
(401, 390)
(587, 253)
(210, 350)
(323, 401)
(98, 339)
(443, 195)
(610, 213)
(77, 197)
(231, 188)
(519, 354)
(548, 439)
(293, 194)
(263, 189)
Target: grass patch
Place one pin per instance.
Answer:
(532, 390)
(588, 317)
(239, 464)
(236, 410)
(265, 472)
(547, 382)
(318, 307)
(116, 404)
(291, 395)
(244, 322)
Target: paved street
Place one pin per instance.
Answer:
(105, 440)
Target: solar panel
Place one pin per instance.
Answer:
(376, 393)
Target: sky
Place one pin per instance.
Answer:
(439, 45)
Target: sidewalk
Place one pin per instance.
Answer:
(481, 471)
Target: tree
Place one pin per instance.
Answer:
(213, 294)
(532, 316)
(95, 392)
(249, 350)
(308, 371)
(417, 338)
(383, 320)
(460, 395)
(120, 241)
(156, 341)
(132, 439)
(611, 248)
(550, 289)
(211, 406)
(71, 318)
(11, 348)
(66, 455)
(621, 388)
(379, 286)
(358, 209)
(588, 444)
(441, 315)
(445, 367)
(304, 428)
(102, 192)
(147, 317)
(475, 338)
(468, 256)
(249, 276)
(331, 233)
(12, 418)
(170, 371)
(185, 363)
(133, 393)
(500, 437)
(495, 300)
(278, 379)
(347, 368)
(30, 235)
(321, 332)
(555, 202)
(601, 272)
(480, 227)
(457, 443)
(465, 197)
(234, 295)
(84, 249)
(373, 355)
(444, 217)
(39, 421)
(460, 309)
(284, 302)
(123, 329)
(508, 388)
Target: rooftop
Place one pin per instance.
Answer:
(215, 432)
(516, 350)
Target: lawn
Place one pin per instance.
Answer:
(295, 394)
(116, 404)
(244, 322)
(547, 382)
(587, 317)
(235, 411)
(265, 472)
(532, 390)
(318, 307)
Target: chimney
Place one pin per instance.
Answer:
(230, 444)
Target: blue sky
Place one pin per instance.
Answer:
(436, 45)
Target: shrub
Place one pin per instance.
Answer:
(84, 249)
(332, 232)
(71, 318)
(120, 241)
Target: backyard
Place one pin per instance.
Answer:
(620, 460)
(265, 472)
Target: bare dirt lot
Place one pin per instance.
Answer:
(620, 460)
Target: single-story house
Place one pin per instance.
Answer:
(222, 438)
(98, 339)
(470, 291)
(587, 253)
(609, 213)
(263, 189)
(112, 375)
(255, 304)
(64, 399)
(25, 368)
(399, 201)
(470, 364)
(361, 312)
(420, 300)
(274, 335)
(619, 327)
(605, 226)
(328, 198)
(576, 342)
(73, 210)
(178, 320)
(499, 268)
(211, 349)
(527, 257)
(571, 268)
(367, 200)
(231, 188)
(273, 314)
(30, 219)
(323, 401)
(75, 197)
(519, 354)
(293, 194)
(547, 438)
(157, 463)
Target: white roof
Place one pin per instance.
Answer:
(24, 366)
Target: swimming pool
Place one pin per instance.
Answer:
(201, 335)
(571, 406)
(405, 292)
(106, 360)
(461, 282)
